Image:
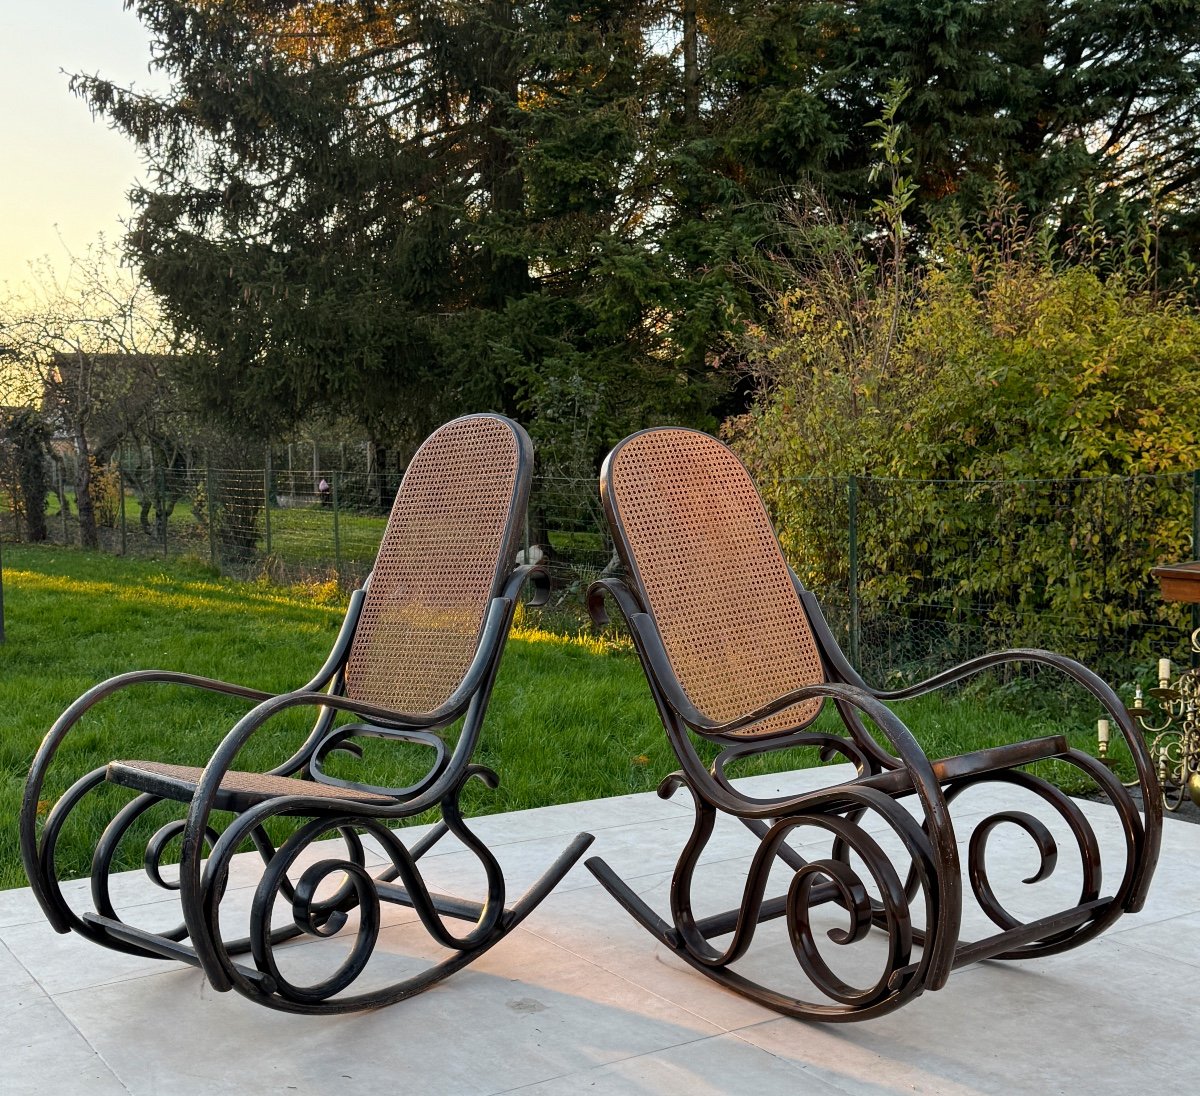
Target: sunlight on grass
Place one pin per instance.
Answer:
(571, 717)
(592, 644)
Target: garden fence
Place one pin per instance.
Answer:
(913, 575)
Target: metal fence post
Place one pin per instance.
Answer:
(160, 487)
(212, 514)
(267, 501)
(1195, 552)
(337, 540)
(121, 495)
(62, 502)
(852, 534)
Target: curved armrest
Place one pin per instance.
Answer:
(32, 793)
(72, 715)
(1148, 782)
(619, 591)
(1090, 681)
(535, 573)
(908, 750)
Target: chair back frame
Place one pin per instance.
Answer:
(706, 567)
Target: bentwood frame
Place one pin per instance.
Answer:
(738, 652)
(418, 650)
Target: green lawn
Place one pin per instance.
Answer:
(571, 718)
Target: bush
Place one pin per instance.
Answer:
(1006, 365)
(104, 487)
(23, 457)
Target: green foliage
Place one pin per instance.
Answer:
(1009, 371)
(1056, 94)
(24, 451)
(402, 212)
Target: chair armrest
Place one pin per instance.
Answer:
(75, 711)
(534, 573)
(31, 795)
(619, 591)
(1091, 682)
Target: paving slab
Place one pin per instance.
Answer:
(582, 999)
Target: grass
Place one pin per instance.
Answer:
(570, 719)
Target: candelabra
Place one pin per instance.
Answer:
(1170, 717)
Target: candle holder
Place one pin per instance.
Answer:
(1169, 716)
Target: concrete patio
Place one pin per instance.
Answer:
(581, 999)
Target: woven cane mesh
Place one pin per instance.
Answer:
(438, 566)
(713, 576)
(122, 772)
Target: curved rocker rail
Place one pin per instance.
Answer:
(265, 983)
(360, 891)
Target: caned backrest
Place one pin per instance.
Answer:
(446, 552)
(698, 546)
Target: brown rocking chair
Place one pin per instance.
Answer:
(736, 650)
(419, 648)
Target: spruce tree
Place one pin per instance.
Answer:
(403, 209)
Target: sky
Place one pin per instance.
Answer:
(63, 176)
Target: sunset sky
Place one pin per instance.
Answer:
(63, 176)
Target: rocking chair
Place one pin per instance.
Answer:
(418, 650)
(737, 651)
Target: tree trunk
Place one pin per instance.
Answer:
(88, 537)
(691, 69)
(507, 275)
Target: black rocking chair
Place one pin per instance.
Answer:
(736, 650)
(419, 648)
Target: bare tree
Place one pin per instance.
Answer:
(86, 343)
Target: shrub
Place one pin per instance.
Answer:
(1006, 366)
(23, 457)
(104, 487)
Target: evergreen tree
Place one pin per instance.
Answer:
(1057, 95)
(403, 209)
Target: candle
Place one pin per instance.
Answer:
(1102, 731)
(1164, 671)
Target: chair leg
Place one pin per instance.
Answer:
(814, 883)
(39, 852)
(401, 882)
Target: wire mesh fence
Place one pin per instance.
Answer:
(920, 575)
(914, 575)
